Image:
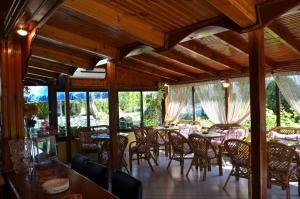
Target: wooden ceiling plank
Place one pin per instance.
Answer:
(146, 57)
(180, 57)
(66, 37)
(198, 47)
(240, 44)
(240, 11)
(277, 30)
(109, 16)
(42, 73)
(149, 70)
(62, 57)
(50, 66)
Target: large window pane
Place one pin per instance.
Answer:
(78, 112)
(61, 117)
(152, 108)
(200, 114)
(36, 109)
(129, 109)
(99, 114)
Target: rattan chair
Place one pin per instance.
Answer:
(280, 166)
(141, 148)
(180, 148)
(104, 152)
(239, 153)
(204, 152)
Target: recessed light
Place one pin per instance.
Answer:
(22, 32)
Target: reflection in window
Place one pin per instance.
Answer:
(152, 108)
(129, 109)
(99, 114)
(36, 109)
(78, 109)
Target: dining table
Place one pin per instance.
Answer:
(29, 185)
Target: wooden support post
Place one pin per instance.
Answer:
(193, 102)
(142, 109)
(52, 105)
(227, 99)
(113, 112)
(68, 126)
(88, 111)
(277, 98)
(12, 101)
(258, 114)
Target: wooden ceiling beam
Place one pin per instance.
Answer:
(50, 66)
(42, 73)
(33, 82)
(111, 17)
(149, 70)
(241, 12)
(285, 36)
(179, 56)
(150, 58)
(240, 44)
(56, 55)
(32, 76)
(74, 41)
(198, 47)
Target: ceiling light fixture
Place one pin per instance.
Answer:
(22, 32)
(225, 84)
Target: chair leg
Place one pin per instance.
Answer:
(130, 162)
(220, 165)
(155, 161)
(181, 163)
(205, 165)
(170, 161)
(138, 158)
(149, 163)
(192, 163)
(166, 150)
(288, 196)
(228, 178)
(208, 164)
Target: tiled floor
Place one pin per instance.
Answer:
(167, 184)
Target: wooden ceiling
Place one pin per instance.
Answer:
(191, 40)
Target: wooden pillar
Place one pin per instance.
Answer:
(12, 101)
(142, 109)
(193, 103)
(258, 113)
(113, 112)
(52, 105)
(88, 112)
(68, 126)
(277, 98)
(227, 98)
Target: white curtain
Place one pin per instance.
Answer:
(289, 86)
(211, 96)
(177, 100)
(239, 101)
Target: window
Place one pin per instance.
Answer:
(36, 109)
(78, 109)
(152, 108)
(129, 109)
(99, 113)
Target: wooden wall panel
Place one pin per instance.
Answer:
(12, 100)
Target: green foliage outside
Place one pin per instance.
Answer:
(76, 106)
(129, 101)
(43, 109)
(152, 108)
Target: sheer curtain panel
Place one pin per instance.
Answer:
(289, 86)
(177, 100)
(212, 99)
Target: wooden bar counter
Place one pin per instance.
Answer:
(30, 187)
